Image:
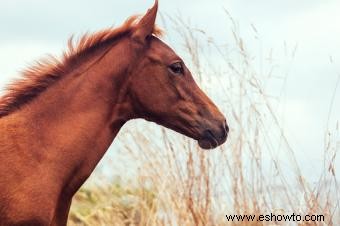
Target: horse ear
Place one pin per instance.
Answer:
(146, 25)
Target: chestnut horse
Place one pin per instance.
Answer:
(57, 122)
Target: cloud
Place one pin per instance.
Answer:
(54, 20)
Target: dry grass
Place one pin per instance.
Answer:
(256, 172)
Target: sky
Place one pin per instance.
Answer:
(31, 29)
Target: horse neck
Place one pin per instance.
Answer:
(74, 121)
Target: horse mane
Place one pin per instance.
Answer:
(50, 69)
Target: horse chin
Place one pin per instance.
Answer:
(207, 143)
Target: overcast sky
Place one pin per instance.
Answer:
(31, 28)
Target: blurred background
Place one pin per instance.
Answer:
(273, 67)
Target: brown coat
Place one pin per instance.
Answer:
(59, 120)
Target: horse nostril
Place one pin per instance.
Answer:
(214, 137)
(226, 127)
(208, 133)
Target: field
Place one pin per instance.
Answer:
(162, 178)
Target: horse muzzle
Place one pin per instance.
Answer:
(214, 137)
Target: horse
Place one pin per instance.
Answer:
(59, 119)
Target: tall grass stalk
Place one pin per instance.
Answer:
(256, 172)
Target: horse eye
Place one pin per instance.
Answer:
(177, 68)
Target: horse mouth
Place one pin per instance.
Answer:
(209, 141)
(207, 144)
